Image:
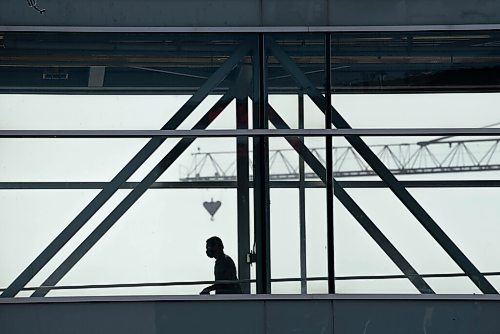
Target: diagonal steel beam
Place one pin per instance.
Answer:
(399, 190)
(352, 207)
(51, 250)
(131, 198)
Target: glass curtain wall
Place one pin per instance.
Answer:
(116, 212)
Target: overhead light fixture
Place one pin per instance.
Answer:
(55, 76)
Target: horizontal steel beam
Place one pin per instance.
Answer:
(232, 184)
(247, 297)
(249, 133)
(251, 29)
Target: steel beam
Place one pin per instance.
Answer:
(329, 166)
(247, 133)
(405, 132)
(401, 192)
(302, 206)
(353, 208)
(243, 179)
(399, 28)
(49, 252)
(261, 171)
(272, 184)
(217, 184)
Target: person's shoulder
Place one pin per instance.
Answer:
(227, 258)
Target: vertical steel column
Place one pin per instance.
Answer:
(242, 175)
(261, 172)
(302, 207)
(329, 167)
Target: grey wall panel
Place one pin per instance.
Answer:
(414, 12)
(111, 13)
(255, 314)
(412, 317)
(218, 317)
(64, 318)
(360, 12)
(294, 13)
(249, 13)
(302, 316)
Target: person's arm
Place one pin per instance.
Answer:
(223, 272)
(216, 286)
(207, 290)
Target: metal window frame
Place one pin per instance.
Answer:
(261, 184)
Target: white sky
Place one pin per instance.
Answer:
(162, 237)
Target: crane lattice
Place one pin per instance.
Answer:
(436, 156)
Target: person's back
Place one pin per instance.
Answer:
(225, 270)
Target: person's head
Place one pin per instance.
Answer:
(215, 248)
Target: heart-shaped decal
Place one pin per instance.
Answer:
(212, 207)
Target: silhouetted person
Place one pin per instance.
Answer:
(224, 269)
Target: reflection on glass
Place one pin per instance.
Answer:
(414, 61)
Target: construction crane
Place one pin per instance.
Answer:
(441, 155)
